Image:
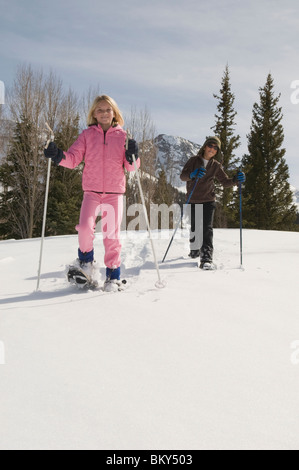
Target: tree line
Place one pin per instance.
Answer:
(267, 196)
(35, 98)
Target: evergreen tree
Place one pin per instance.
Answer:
(267, 194)
(164, 191)
(224, 129)
(65, 195)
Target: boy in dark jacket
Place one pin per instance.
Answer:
(205, 167)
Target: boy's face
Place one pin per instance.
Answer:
(210, 151)
(104, 114)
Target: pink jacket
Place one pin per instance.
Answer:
(104, 158)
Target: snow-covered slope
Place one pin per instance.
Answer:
(209, 362)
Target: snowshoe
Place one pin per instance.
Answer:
(114, 285)
(207, 266)
(81, 274)
(113, 282)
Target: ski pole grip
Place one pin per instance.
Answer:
(51, 139)
(129, 136)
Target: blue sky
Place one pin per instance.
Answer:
(166, 55)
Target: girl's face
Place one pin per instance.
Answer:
(104, 115)
(210, 151)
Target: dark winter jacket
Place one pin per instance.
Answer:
(205, 188)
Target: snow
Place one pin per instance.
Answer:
(205, 363)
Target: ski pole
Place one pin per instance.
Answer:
(51, 139)
(172, 238)
(241, 224)
(160, 284)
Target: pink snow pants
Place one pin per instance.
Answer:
(110, 206)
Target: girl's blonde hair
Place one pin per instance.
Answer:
(117, 119)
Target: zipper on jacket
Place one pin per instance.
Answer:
(104, 159)
(104, 162)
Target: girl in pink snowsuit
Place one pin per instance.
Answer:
(102, 147)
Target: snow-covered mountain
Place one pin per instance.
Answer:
(173, 153)
(295, 196)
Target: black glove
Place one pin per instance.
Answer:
(132, 150)
(54, 153)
